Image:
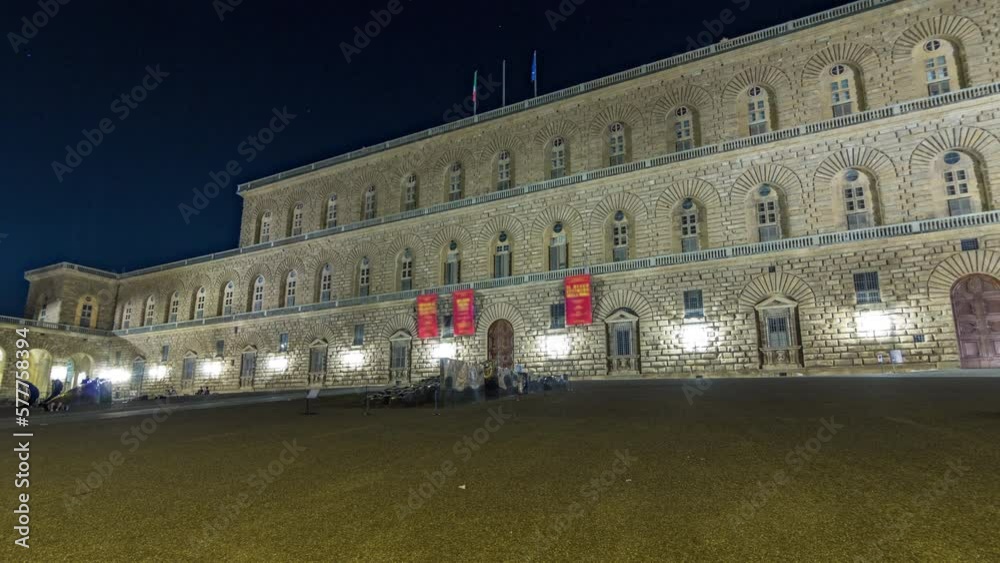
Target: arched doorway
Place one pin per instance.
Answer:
(975, 302)
(500, 344)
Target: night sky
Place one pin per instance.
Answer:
(118, 209)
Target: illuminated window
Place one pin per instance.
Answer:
(757, 110)
(960, 183)
(937, 69)
(768, 211)
(840, 91)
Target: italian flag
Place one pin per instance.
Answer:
(475, 88)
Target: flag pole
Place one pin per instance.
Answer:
(475, 94)
(505, 83)
(534, 72)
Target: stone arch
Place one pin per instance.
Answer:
(399, 322)
(348, 273)
(769, 285)
(560, 128)
(955, 28)
(950, 271)
(872, 160)
(688, 95)
(502, 311)
(980, 143)
(638, 220)
(668, 221)
(515, 230)
(694, 188)
(623, 299)
(776, 174)
(613, 113)
(438, 176)
(764, 75)
(828, 198)
(862, 56)
(498, 142)
(392, 254)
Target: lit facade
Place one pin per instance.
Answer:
(806, 199)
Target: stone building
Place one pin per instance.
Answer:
(802, 200)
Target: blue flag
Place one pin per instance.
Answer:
(534, 67)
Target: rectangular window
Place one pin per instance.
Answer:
(399, 355)
(694, 307)
(557, 314)
(938, 76)
(220, 348)
(248, 368)
(359, 335)
(778, 336)
(317, 360)
(622, 342)
(187, 374)
(283, 342)
(866, 288)
(501, 261)
(959, 206)
(86, 315)
(769, 233)
(448, 330)
(165, 353)
(970, 244)
(557, 253)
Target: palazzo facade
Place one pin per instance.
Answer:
(814, 198)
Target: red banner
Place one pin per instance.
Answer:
(579, 305)
(464, 312)
(427, 316)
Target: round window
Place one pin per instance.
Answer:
(764, 191)
(852, 175)
(682, 111)
(619, 216)
(754, 91)
(688, 203)
(453, 246)
(837, 70)
(932, 45)
(503, 237)
(558, 228)
(952, 158)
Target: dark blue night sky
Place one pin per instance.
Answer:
(118, 210)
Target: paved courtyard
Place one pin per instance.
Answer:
(825, 469)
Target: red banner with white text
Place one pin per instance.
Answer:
(464, 312)
(427, 316)
(579, 305)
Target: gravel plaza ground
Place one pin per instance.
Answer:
(818, 469)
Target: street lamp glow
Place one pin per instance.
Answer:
(694, 337)
(556, 346)
(212, 369)
(114, 375)
(277, 363)
(874, 323)
(444, 350)
(158, 372)
(58, 373)
(354, 359)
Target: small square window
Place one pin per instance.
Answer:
(867, 288)
(283, 342)
(970, 244)
(919, 338)
(359, 335)
(772, 269)
(694, 306)
(557, 313)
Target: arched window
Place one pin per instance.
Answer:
(758, 110)
(318, 352)
(264, 233)
(455, 181)
(175, 307)
(290, 285)
(331, 212)
(617, 148)
(558, 248)
(778, 333)
(619, 238)
(228, 293)
(623, 342)
(371, 204)
(87, 312)
(684, 129)
(410, 193)
(326, 284)
(127, 316)
(557, 158)
(690, 226)
(453, 265)
(940, 66)
(845, 94)
(767, 207)
(150, 317)
(399, 356)
(364, 277)
(257, 297)
(501, 256)
(295, 228)
(406, 270)
(504, 181)
(859, 199)
(199, 303)
(960, 183)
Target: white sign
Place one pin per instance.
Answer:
(896, 356)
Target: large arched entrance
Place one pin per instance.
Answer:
(500, 344)
(975, 301)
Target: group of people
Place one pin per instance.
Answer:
(203, 391)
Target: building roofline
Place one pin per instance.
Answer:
(69, 266)
(624, 76)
